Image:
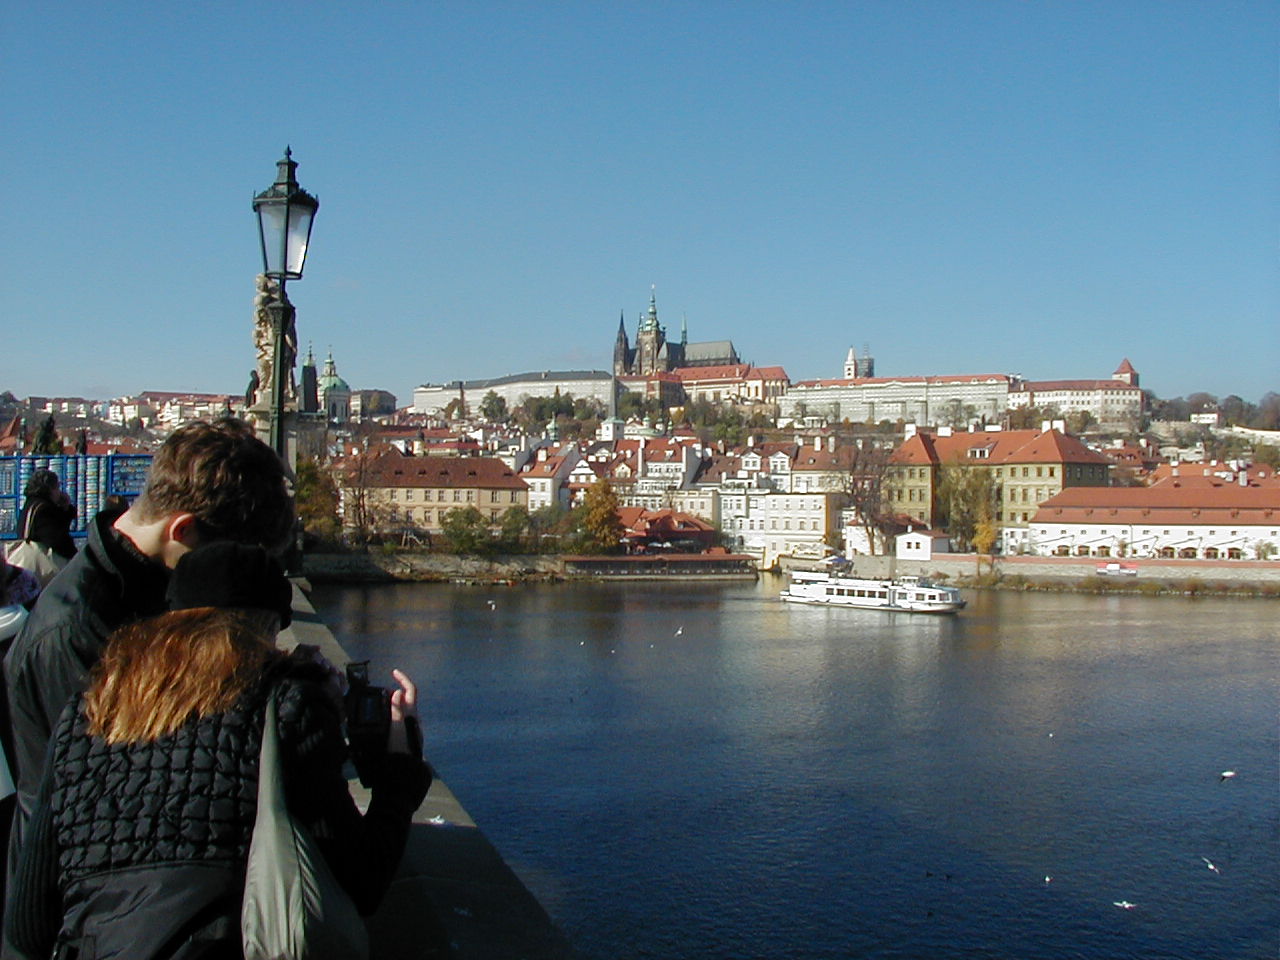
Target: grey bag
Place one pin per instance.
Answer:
(294, 908)
(40, 560)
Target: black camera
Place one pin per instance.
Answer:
(368, 709)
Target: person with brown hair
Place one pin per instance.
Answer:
(139, 841)
(208, 482)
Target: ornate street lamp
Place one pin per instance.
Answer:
(285, 214)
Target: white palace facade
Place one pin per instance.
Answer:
(927, 401)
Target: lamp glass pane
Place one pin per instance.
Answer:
(271, 221)
(299, 232)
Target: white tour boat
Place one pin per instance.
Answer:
(908, 594)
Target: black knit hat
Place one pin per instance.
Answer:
(228, 574)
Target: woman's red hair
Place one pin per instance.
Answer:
(158, 673)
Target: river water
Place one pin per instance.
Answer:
(703, 771)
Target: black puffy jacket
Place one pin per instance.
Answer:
(106, 585)
(138, 850)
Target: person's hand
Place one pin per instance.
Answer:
(404, 715)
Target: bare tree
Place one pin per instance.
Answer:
(363, 515)
(868, 466)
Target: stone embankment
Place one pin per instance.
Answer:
(1261, 577)
(1258, 577)
(386, 566)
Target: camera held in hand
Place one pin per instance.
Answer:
(368, 710)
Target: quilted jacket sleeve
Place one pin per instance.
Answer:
(364, 851)
(34, 912)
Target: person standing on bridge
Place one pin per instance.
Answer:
(208, 482)
(161, 755)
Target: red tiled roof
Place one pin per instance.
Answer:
(1054, 447)
(916, 450)
(1208, 473)
(1002, 446)
(1164, 503)
(736, 371)
(1042, 386)
(767, 373)
(393, 470)
(824, 459)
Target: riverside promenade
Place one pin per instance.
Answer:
(453, 886)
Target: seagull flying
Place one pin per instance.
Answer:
(1124, 904)
(679, 630)
(1226, 775)
(1209, 863)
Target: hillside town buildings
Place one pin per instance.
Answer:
(1027, 467)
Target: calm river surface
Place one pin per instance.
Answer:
(705, 772)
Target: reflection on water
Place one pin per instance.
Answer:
(703, 771)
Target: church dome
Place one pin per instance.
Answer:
(329, 381)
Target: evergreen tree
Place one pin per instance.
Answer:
(47, 440)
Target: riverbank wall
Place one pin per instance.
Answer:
(383, 566)
(1015, 571)
(454, 896)
(1066, 573)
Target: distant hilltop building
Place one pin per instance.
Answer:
(654, 353)
(957, 400)
(859, 366)
(1114, 401)
(594, 385)
(924, 400)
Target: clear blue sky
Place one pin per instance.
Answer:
(1035, 187)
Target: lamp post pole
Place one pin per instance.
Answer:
(282, 323)
(285, 215)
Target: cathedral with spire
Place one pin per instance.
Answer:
(654, 353)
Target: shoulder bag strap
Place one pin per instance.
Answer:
(26, 526)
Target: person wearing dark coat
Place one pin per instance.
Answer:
(47, 514)
(208, 482)
(140, 838)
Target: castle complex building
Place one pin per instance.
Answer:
(653, 353)
(1114, 401)
(925, 400)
